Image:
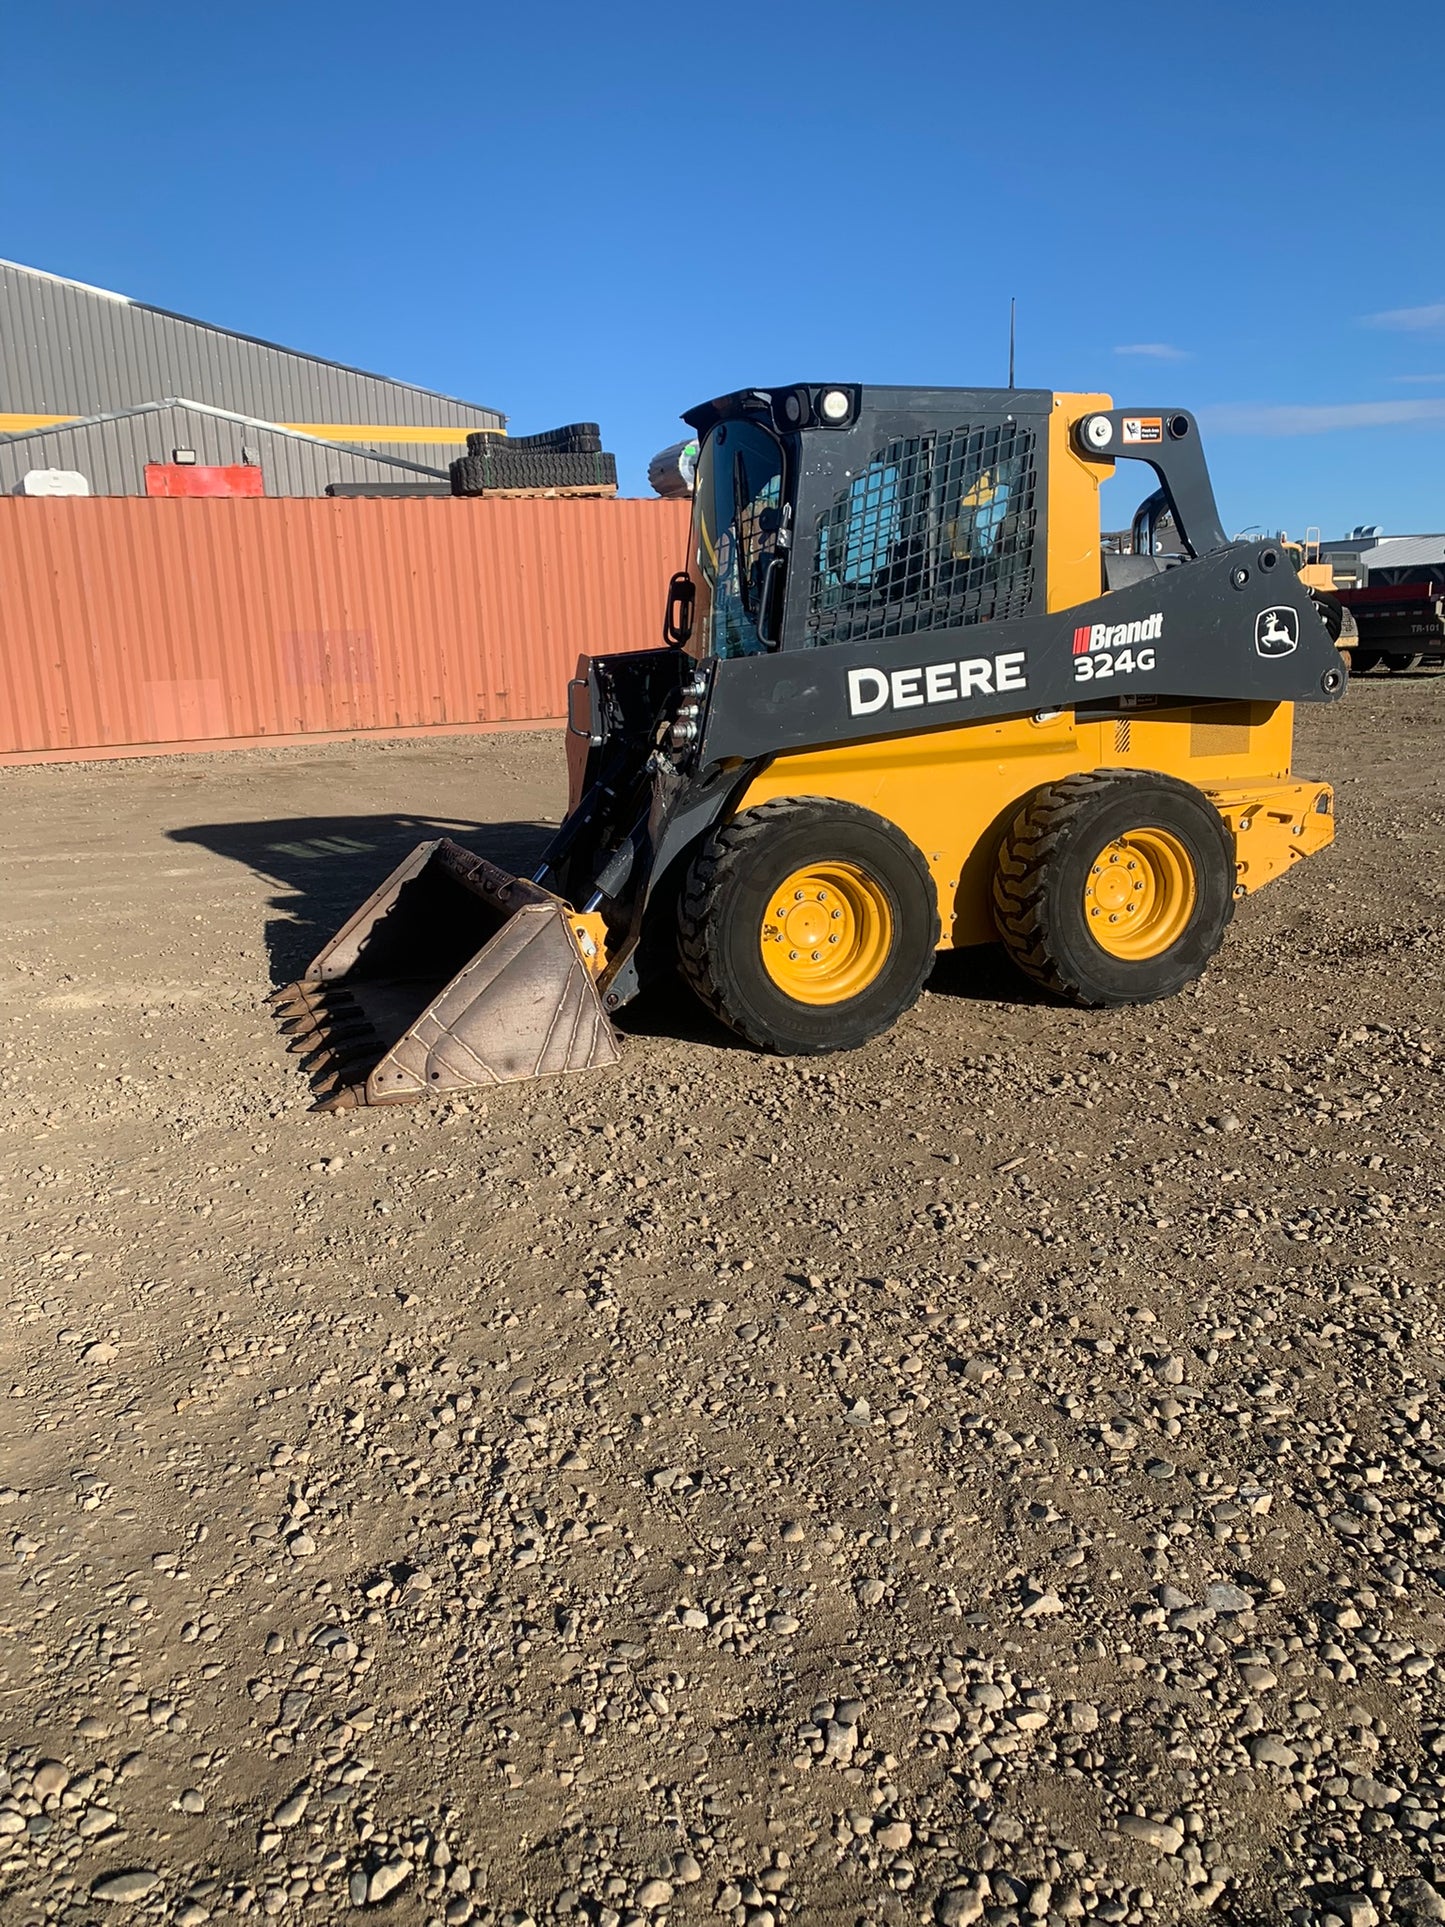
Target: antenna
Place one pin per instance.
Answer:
(1012, 308)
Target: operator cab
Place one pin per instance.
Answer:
(917, 526)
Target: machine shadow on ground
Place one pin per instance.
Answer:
(325, 867)
(668, 1009)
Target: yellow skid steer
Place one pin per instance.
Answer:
(903, 704)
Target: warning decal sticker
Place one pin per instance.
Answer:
(1143, 428)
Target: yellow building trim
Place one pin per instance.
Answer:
(384, 432)
(18, 424)
(12, 424)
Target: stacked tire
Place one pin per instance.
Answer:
(560, 458)
(576, 438)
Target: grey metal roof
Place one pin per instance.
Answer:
(111, 450)
(74, 350)
(1406, 551)
(1392, 551)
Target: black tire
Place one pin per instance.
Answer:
(573, 438)
(1362, 661)
(469, 475)
(1045, 864)
(503, 467)
(725, 904)
(1401, 662)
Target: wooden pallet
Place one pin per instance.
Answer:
(548, 494)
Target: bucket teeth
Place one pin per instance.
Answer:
(293, 998)
(302, 1034)
(339, 1053)
(343, 1097)
(303, 1025)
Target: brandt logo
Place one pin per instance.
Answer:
(1276, 632)
(1093, 636)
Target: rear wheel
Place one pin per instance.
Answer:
(1401, 662)
(808, 925)
(1114, 887)
(1362, 661)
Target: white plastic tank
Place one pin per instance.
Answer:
(54, 481)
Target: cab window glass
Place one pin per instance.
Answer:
(936, 531)
(737, 517)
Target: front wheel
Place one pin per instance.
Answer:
(1114, 887)
(1400, 662)
(808, 925)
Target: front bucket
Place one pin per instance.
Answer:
(453, 974)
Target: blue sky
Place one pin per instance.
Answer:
(611, 212)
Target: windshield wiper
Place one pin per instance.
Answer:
(741, 560)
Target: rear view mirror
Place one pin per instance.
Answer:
(681, 599)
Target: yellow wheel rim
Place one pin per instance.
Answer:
(827, 931)
(1140, 894)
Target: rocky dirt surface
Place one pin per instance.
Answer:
(992, 1477)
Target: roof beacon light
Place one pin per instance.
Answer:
(834, 405)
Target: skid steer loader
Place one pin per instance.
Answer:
(903, 705)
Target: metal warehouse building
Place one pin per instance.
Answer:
(96, 383)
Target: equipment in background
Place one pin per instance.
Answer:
(673, 472)
(1319, 578)
(1392, 588)
(904, 704)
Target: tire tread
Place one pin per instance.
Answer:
(731, 849)
(1022, 880)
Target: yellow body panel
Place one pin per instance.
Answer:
(953, 792)
(589, 932)
(1075, 563)
(1274, 827)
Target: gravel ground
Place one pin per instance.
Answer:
(990, 1477)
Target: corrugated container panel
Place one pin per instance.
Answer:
(112, 455)
(126, 623)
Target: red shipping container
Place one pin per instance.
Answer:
(127, 625)
(241, 482)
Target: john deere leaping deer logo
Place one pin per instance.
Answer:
(1276, 632)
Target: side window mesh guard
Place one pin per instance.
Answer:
(935, 532)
